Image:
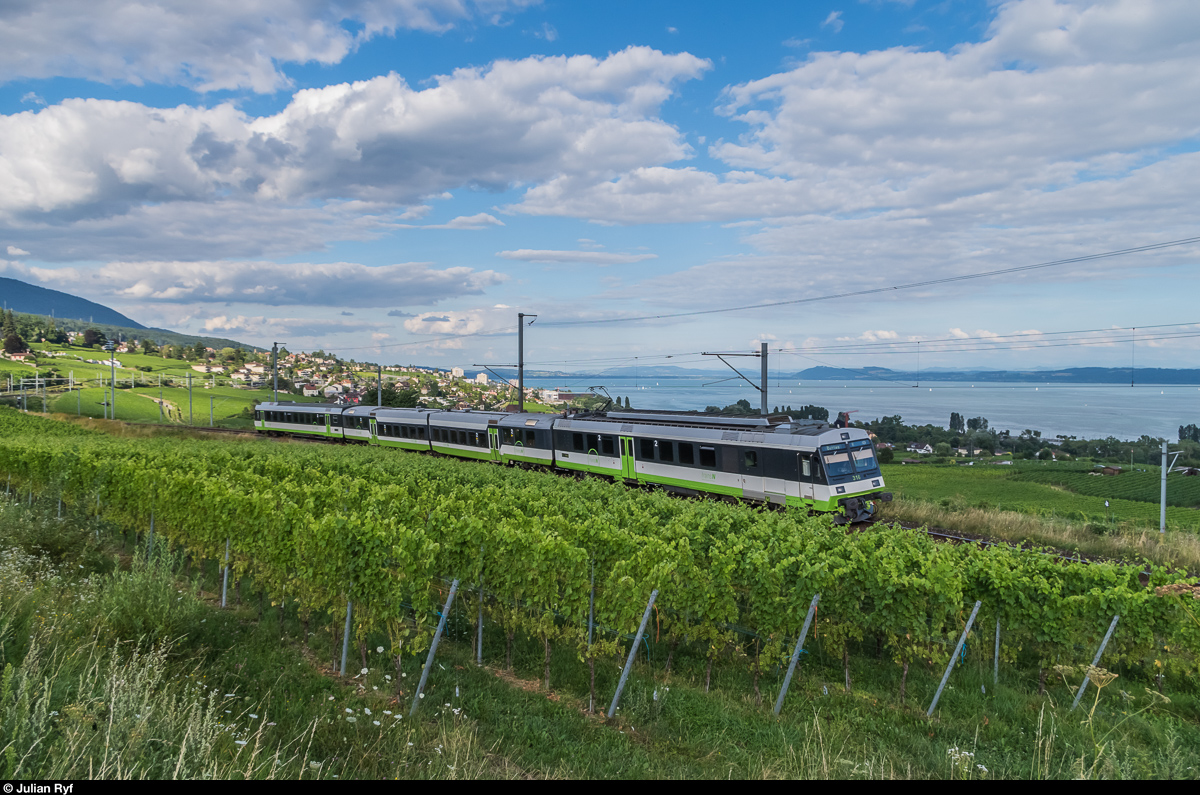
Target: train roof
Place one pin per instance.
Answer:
(289, 405)
(772, 423)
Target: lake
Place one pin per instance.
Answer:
(1081, 410)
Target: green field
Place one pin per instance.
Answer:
(138, 405)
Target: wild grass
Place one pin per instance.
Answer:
(1117, 541)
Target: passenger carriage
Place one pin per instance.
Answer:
(773, 460)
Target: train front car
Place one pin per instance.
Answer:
(845, 474)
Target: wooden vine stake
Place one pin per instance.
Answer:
(787, 680)
(433, 648)
(612, 709)
(953, 657)
(1095, 660)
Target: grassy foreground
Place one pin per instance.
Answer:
(116, 666)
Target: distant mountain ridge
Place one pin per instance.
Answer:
(30, 299)
(72, 313)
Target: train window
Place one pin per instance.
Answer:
(806, 467)
(606, 445)
(666, 451)
(750, 458)
(648, 449)
(530, 438)
(336, 420)
(593, 442)
(708, 457)
(577, 442)
(421, 432)
(687, 454)
(257, 416)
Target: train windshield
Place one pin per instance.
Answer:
(863, 454)
(837, 460)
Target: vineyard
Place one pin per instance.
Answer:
(1048, 490)
(318, 526)
(1143, 486)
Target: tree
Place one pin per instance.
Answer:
(1189, 433)
(10, 324)
(198, 351)
(399, 398)
(886, 456)
(627, 403)
(14, 344)
(977, 424)
(941, 449)
(148, 346)
(956, 422)
(93, 337)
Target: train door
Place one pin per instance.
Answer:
(750, 471)
(804, 467)
(628, 470)
(374, 433)
(494, 443)
(592, 443)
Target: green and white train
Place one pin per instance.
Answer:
(772, 460)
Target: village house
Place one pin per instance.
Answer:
(920, 447)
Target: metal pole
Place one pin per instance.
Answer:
(380, 385)
(433, 648)
(345, 639)
(160, 399)
(787, 680)
(764, 379)
(1096, 660)
(112, 362)
(275, 368)
(996, 668)
(189, 375)
(520, 362)
(225, 580)
(953, 657)
(612, 708)
(1162, 500)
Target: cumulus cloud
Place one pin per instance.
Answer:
(13, 251)
(834, 21)
(210, 46)
(582, 257)
(477, 221)
(1096, 97)
(377, 141)
(342, 284)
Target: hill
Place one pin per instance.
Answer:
(33, 300)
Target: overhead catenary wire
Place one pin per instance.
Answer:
(877, 290)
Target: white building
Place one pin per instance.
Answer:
(481, 378)
(457, 372)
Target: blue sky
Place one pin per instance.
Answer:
(395, 181)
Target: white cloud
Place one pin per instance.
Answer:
(341, 284)
(583, 257)
(13, 251)
(209, 46)
(834, 21)
(477, 221)
(30, 97)
(376, 141)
